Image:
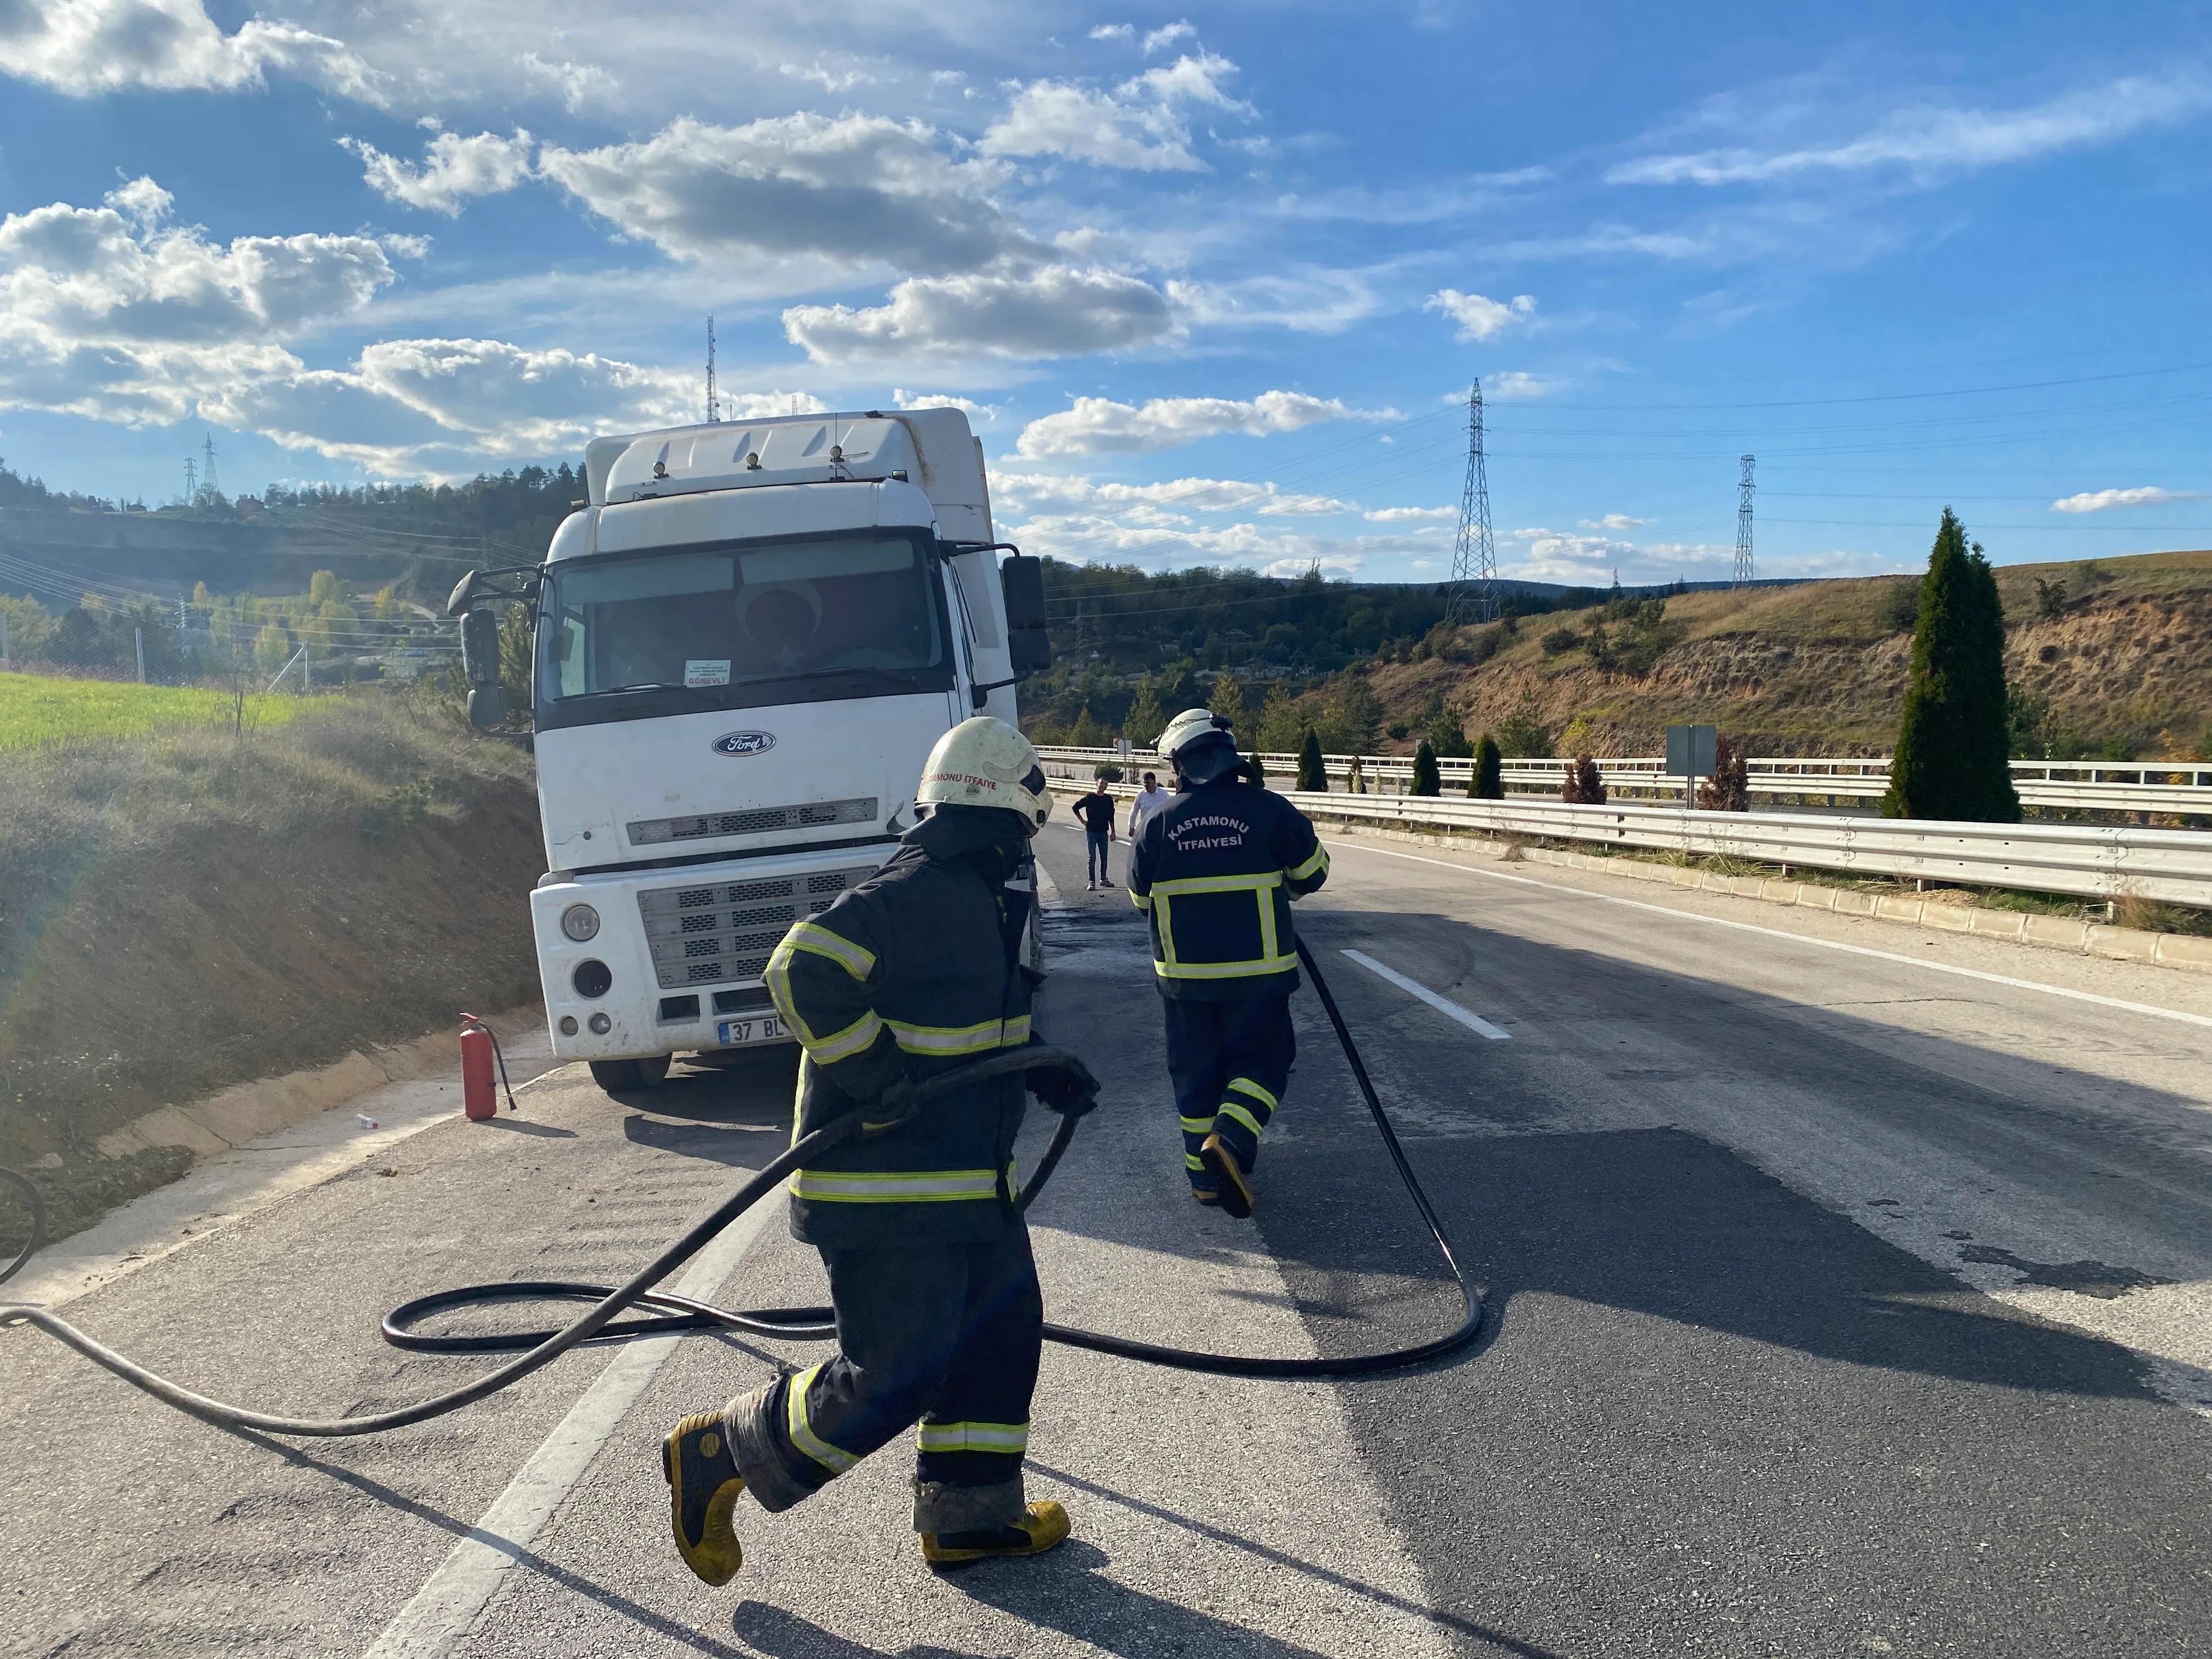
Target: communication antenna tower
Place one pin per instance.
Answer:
(208, 485)
(1743, 526)
(714, 400)
(1473, 594)
(191, 481)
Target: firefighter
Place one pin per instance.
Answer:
(910, 974)
(1216, 871)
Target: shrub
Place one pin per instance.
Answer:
(1313, 773)
(1398, 729)
(1488, 782)
(1559, 640)
(1729, 789)
(1523, 736)
(1427, 781)
(2049, 597)
(1900, 607)
(1585, 785)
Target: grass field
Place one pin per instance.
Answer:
(36, 709)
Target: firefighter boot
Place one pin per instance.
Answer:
(1045, 1525)
(1231, 1182)
(703, 1487)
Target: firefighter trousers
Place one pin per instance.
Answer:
(1229, 1062)
(943, 1334)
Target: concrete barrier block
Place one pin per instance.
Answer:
(1895, 906)
(2121, 944)
(1848, 903)
(2064, 932)
(1777, 892)
(1998, 924)
(2183, 951)
(1952, 918)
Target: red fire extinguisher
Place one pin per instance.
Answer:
(479, 1049)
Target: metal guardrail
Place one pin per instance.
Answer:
(2095, 861)
(2183, 788)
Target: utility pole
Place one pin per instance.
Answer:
(714, 401)
(209, 488)
(1743, 527)
(1473, 595)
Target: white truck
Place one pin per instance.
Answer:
(747, 640)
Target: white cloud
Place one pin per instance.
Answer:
(2101, 501)
(1414, 515)
(1614, 521)
(1930, 140)
(1114, 31)
(1503, 388)
(577, 84)
(453, 169)
(901, 398)
(1166, 35)
(860, 189)
(1312, 300)
(1140, 125)
(116, 314)
(87, 47)
(408, 406)
(1481, 319)
(1097, 426)
(1056, 312)
(828, 80)
(1025, 491)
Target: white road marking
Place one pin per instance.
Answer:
(1805, 939)
(1472, 1022)
(445, 1608)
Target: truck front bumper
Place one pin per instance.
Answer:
(680, 950)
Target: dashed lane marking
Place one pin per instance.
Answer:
(2187, 1018)
(1443, 1005)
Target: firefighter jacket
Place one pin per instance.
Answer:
(913, 972)
(1216, 870)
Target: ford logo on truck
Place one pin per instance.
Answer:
(744, 742)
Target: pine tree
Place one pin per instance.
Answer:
(1143, 723)
(1088, 733)
(1279, 725)
(1313, 774)
(1228, 702)
(1427, 781)
(1488, 782)
(1953, 742)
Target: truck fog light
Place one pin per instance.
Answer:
(580, 922)
(568, 1025)
(592, 978)
(600, 1024)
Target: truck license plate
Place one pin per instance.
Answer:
(762, 1027)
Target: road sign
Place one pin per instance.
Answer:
(1690, 752)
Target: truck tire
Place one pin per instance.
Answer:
(622, 1077)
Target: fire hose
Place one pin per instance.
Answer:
(600, 1321)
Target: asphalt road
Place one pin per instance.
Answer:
(1842, 1304)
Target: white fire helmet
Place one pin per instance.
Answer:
(986, 762)
(1194, 725)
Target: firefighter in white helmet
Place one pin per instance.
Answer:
(1216, 869)
(912, 973)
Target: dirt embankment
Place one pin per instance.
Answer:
(187, 911)
(1821, 669)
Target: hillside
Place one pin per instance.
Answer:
(2122, 661)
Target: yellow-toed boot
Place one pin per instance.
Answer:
(1045, 1525)
(703, 1487)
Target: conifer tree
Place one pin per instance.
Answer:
(1427, 781)
(1228, 702)
(1488, 782)
(1088, 733)
(1953, 741)
(1144, 722)
(1313, 774)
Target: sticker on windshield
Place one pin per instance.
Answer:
(701, 671)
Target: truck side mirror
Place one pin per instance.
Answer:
(457, 603)
(487, 704)
(480, 647)
(1021, 578)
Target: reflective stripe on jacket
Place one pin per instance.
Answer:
(910, 974)
(1217, 869)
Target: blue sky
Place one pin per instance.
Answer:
(1212, 281)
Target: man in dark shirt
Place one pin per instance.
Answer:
(1096, 811)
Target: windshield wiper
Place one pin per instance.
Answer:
(638, 686)
(900, 674)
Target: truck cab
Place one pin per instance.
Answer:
(747, 641)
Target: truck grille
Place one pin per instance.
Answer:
(716, 932)
(754, 821)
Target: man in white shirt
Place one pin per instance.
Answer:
(1149, 800)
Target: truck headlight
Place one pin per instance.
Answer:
(580, 922)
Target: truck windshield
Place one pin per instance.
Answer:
(731, 626)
